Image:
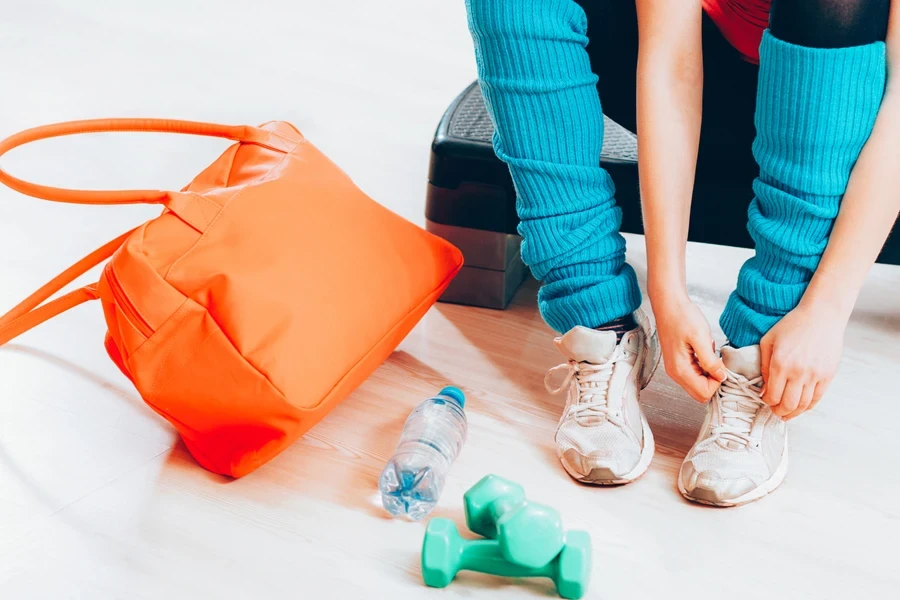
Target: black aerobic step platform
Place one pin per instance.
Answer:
(471, 203)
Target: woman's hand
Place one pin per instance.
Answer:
(800, 356)
(688, 348)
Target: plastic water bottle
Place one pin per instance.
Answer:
(432, 437)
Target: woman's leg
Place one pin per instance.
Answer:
(540, 91)
(816, 106)
(830, 23)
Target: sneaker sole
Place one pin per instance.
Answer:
(767, 487)
(601, 476)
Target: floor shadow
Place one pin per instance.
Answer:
(431, 380)
(526, 390)
(11, 466)
(129, 395)
(884, 322)
(674, 417)
(180, 458)
(109, 545)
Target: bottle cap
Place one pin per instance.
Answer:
(455, 393)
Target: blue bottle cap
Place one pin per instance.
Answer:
(455, 393)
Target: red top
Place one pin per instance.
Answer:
(742, 22)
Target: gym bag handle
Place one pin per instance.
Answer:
(238, 133)
(196, 210)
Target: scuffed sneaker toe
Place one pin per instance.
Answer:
(600, 467)
(712, 488)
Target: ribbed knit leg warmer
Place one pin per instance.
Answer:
(541, 94)
(815, 110)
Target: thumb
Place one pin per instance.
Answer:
(710, 361)
(765, 355)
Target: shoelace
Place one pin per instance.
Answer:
(737, 420)
(591, 382)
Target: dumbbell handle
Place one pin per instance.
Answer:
(484, 556)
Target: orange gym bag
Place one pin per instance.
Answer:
(266, 291)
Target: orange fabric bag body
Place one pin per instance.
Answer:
(268, 289)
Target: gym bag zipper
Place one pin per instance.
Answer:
(122, 301)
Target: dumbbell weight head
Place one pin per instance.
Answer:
(445, 553)
(441, 553)
(487, 500)
(574, 565)
(530, 534)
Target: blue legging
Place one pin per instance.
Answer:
(815, 111)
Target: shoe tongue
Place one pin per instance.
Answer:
(743, 361)
(587, 345)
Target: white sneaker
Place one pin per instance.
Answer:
(741, 453)
(603, 437)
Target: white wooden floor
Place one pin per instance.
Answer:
(99, 500)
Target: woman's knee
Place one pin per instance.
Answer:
(830, 23)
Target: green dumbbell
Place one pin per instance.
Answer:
(445, 553)
(530, 535)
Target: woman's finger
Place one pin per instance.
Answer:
(790, 399)
(710, 386)
(774, 386)
(685, 373)
(765, 354)
(806, 399)
(709, 361)
(705, 386)
(821, 388)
